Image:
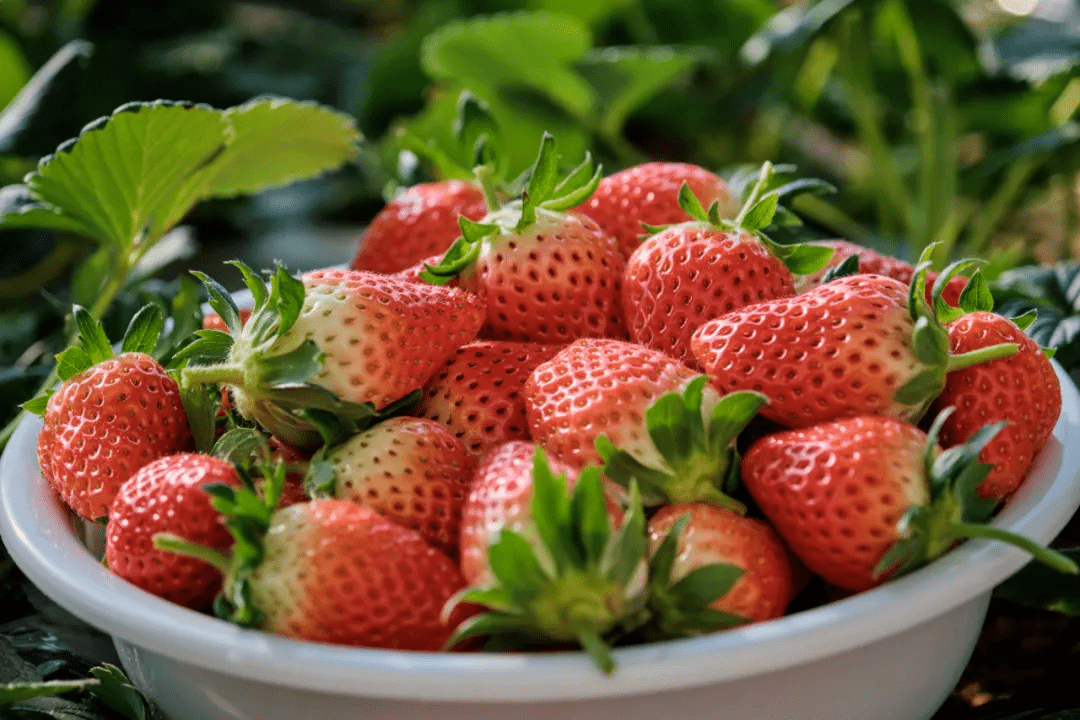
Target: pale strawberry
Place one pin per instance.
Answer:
(647, 194)
(346, 342)
(555, 565)
(419, 222)
(167, 496)
(411, 470)
(739, 559)
(479, 393)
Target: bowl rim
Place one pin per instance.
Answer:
(41, 539)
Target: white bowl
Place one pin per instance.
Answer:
(892, 652)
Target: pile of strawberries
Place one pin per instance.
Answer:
(598, 411)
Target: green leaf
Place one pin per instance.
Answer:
(92, 335)
(816, 186)
(624, 78)
(277, 141)
(761, 214)
(550, 510)
(598, 650)
(200, 405)
(210, 347)
(703, 585)
(221, 302)
(16, 692)
(849, 266)
(255, 284)
(976, 295)
(589, 516)
(800, 259)
(631, 540)
(690, 203)
(240, 445)
(514, 564)
(144, 330)
(530, 49)
(136, 172)
(37, 404)
(915, 391)
(545, 171)
(117, 693)
(71, 362)
(297, 366)
(1039, 586)
(287, 298)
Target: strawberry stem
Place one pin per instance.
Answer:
(980, 355)
(224, 374)
(176, 544)
(1047, 556)
(485, 178)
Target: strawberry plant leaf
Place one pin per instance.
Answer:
(240, 445)
(475, 127)
(221, 302)
(731, 416)
(595, 647)
(294, 367)
(253, 283)
(134, 173)
(524, 49)
(624, 78)
(276, 141)
(663, 559)
(631, 541)
(201, 404)
(976, 295)
(577, 187)
(1038, 586)
(691, 205)
(800, 259)
(287, 299)
(117, 693)
(1026, 320)
(790, 189)
(144, 330)
(16, 692)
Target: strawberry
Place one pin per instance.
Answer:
(863, 499)
(167, 496)
(213, 321)
(739, 560)
(861, 344)
(647, 194)
(479, 393)
(546, 274)
(345, 342)
(692, 272)
(871, 262)
(411, 470)
(645, 415)
(419, 222)
(110, 415)
(328, 571)
(568, 569)
(1022, 389)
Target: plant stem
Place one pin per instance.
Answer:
(974, 357)
(1047, 556)
(989, 219)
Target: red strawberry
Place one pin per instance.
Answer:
(872, 262)
(167, 496)
(213, 321)
(648, 194)
(411, 470)
(546, 274)
(1022, 389)
(853, 346)
(479, 393)
(337, 572)
(105, 422)
(499, 498)
(555, 565)
(336, 341)
(292, 491)
(760, 587)
(862, 499)
(420, 222)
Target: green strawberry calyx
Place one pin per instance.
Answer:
(247, 513)
(756, 214)
(269, 385)
(545, 191)
(930, 339)
(697, 446)
(582, 582)
(955, 511)
(681, 608)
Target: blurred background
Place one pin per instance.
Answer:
(940, 121)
